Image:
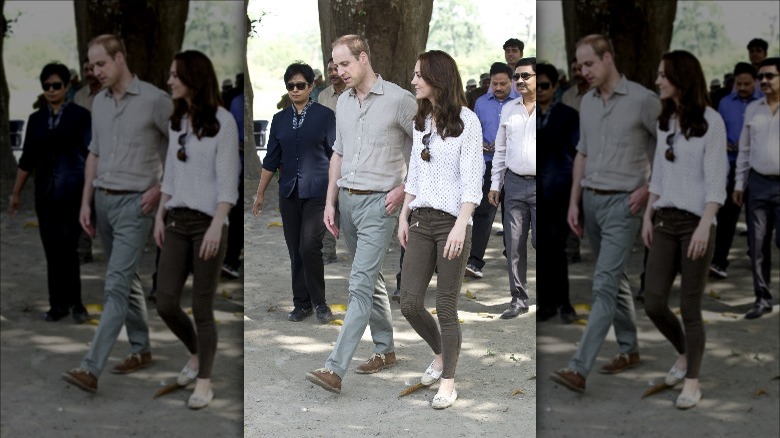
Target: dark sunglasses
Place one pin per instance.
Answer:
(299, 85)
(525, 75)
(426, 152)
(543, 85)
(181, 154)
(57, 85)
(669, 154)
(768, 76)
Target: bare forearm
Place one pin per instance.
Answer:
(334, 173)
(578, 172)
(90, 172)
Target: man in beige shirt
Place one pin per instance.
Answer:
(122, 172)
(87, 93)
(369, 164)
(329, 97)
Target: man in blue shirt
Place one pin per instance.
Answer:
(732, 109)
(488, 109)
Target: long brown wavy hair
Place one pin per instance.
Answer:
(195, 70)
(684, 71)
(440, 71)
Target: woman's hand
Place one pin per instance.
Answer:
(403, 232)
(647, 231)
(211, 240)
(159, 230)
(699, 239)
(454, 246)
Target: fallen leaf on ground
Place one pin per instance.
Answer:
(532, 378)
(730, 315)
(656, 389)
(274, 224)
(760, 391)
(433, 312)
(517, 391)
(461, 320)
(470, 295)
(30, 224)
(715, 294)
(676, 311)
(582, 307)
(581, 321)
(337, 322)
(167, 389)
(411, 389)
(338, 307)
(238, 314)
(271, 309)
(93, 321)
(96, 308)
(227, 294)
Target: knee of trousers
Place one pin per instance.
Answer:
(410, 311)
(166, 305)
(654, 305)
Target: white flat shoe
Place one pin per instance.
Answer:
(674, 376)
(430, 376)
(198, 402)
(186, 376)
(443, 401)
(686, 402)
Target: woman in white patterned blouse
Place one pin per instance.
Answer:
(687, 188)
(444, 185)
(198, 190)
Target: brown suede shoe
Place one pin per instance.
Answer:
(620, 363)
(325, 379)
(570, 379)
(133, 362)
(81, 379)
(377, 363)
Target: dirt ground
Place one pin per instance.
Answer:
(740, 374)
(497, 356)
(35, 401)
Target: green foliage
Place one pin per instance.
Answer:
(453, 28)
(699, 29)
(211, 28)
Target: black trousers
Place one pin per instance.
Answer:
(728, 216)
(236, 227)
(303, 232)
(484, 215)
(58, 224)
(552, 267)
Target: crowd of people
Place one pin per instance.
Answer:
(98, 155)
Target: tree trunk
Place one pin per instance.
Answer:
(640, 31)
(396, 31)
(152, 30)
(8, 166)
(251, 160)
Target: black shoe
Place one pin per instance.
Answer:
(545, 314)
(758, 310)
(516, 308)
(640, 295)
(324, 315)
(86, 258)
(396, 296)
(330, 259)
(229, 271)
(152, 297)
(55, 314)
(298, 314)
(568, 315)
(80, 314)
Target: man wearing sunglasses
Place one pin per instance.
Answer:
(488, 109)
(618, 122)
(758, 167)
(122, 172)
(374, 125)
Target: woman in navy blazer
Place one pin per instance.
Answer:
(55, 147)
(299, 147)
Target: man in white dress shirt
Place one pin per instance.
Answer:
(758, 167)
(514, 167)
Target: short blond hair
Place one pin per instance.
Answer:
(112, 43)
(355, 43)
(599, 43)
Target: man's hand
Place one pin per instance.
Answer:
(257, 207)
(573, 218)
(394, 199)
(13, 205)
(84, 219)
(638, 199)
(329, 217)
(493, 197)
(150, 199)
(737, 197)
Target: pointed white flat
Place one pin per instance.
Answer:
(685, 402)
(430, 376)
(443, 401)
(674, 376)
(186, 376)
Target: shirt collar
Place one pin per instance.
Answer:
(133, 88)
(620, 88)
(377, 88)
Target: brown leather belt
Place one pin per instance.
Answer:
(116, 192)
(360, 192)
(605, 192)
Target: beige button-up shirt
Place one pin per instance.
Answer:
(329, 97)
(130, 138)
(618, 137)
(375, 138)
